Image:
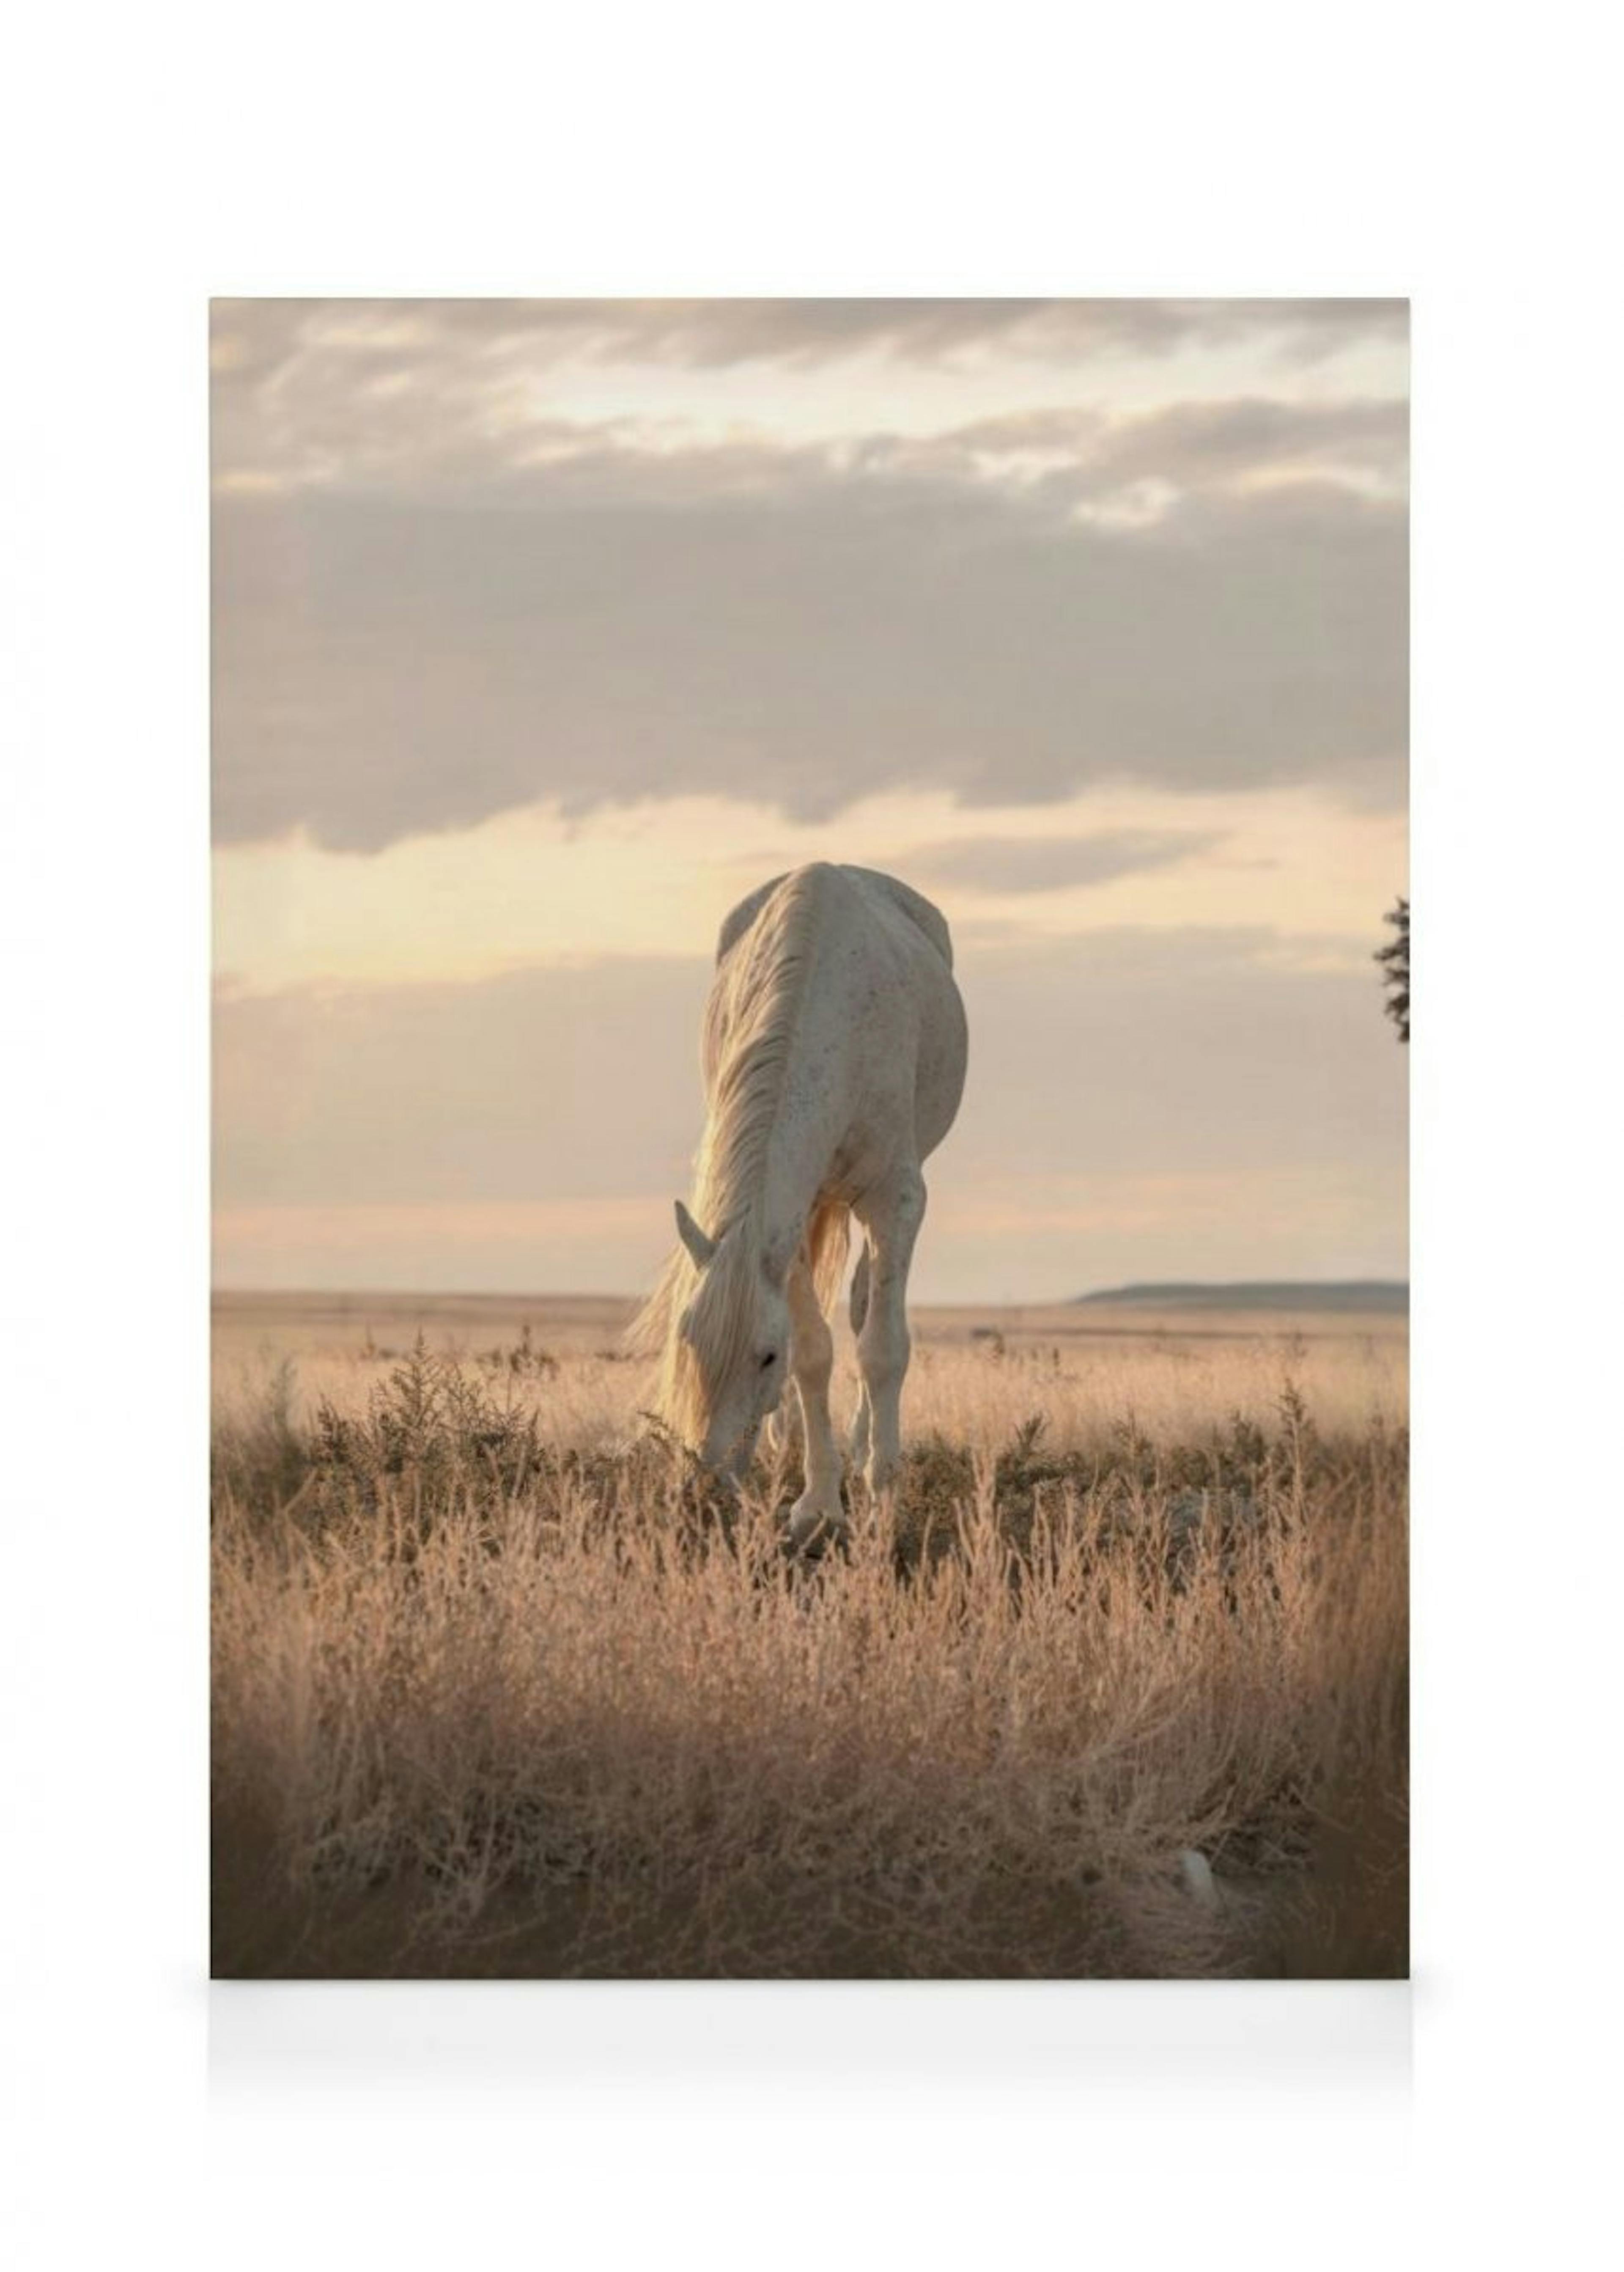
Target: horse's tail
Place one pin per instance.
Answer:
(828, 1237)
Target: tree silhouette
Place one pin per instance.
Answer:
(1395, 961)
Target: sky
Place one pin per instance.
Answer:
(544, 630)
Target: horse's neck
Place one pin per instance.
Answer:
(787, 1174)
(770, 1196)
(798, 1156)
(790, 1185)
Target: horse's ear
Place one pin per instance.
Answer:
(699, 1246)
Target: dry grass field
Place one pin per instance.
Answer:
(502, 1687)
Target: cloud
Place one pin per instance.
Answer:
(1199, 446)
(437, 598)
(557, 1085)
(1206, 1051)
(436, 393)
(764, 625)
(252, 338)
(1031, 863)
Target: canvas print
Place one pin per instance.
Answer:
(810, 1303)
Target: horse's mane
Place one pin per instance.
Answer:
(750, 1023)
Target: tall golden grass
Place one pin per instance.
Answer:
(500, 1686)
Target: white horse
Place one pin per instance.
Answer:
(834, 1052)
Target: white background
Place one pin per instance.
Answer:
(151, 157)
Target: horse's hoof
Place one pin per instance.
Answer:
(815, 1529)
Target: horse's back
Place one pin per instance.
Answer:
(869, 883)
(919, 910)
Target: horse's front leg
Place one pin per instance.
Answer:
(891, 1214)
(818, 1512)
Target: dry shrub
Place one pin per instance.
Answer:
(486, 1705)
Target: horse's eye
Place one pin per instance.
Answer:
(771, 1357)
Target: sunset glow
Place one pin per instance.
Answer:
(543, 632)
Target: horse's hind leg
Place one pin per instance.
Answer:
(811, 1356)
(861, 1418)
(891, 1214)
(862, 1429)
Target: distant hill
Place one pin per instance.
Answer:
(1391, 1294)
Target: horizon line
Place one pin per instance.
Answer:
(356, 1293)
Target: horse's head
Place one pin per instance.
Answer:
(733, 1356)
